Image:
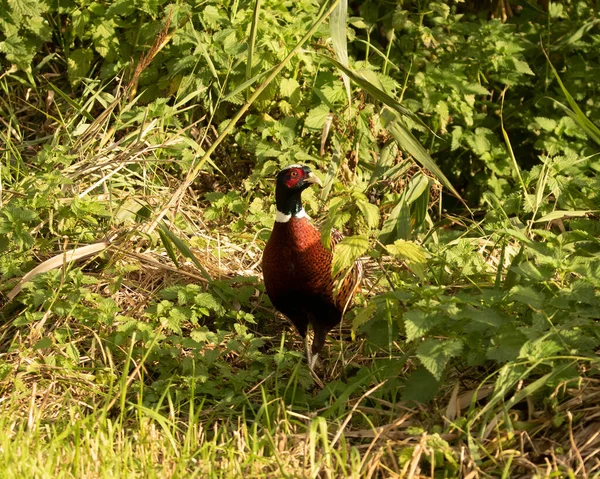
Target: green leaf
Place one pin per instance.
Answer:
(370, 213)
(527, 295)
(371, 84)
(168, 246)
(417, 185)
(420, 207)
(547, 124)
(397, 224)
(539, 349)
(288, 87)
(512, 275)
(536, 385)
(316, 117)
(534, 272)
(417, 323)
(105, 38)
(435, 354)
(45, 342)
(575, 112)
(522, 66)
(506, 346)
(207, 300)
(363, 316)
(347, 251)
(185, 250)
(421, 386)
(487, 317)
(413, 254)
(252, 42)
(212, 16)
(175, 318)
(17, 51)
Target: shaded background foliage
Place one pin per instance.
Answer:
(450, 62)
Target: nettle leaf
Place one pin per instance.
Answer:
(176, 317)
(435, 354)
(105, 38)
(539, 349)
(207, 300)
(414, 255)
(79, 63)
(363, 316)
(506, 346)
(527, 295)
(457, 137)
(522, 66)
(475, 88)
(121, 7)
(417, 323)
(547, 124)
(39, 26)
(370, 212)
(421, 386)
(347, 251)
(486, 318)
(316, 117)
(288, 87)
(212, 16)
(204, 335)
(536, 273)
(16, 51)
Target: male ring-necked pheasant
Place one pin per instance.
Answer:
(297, 267)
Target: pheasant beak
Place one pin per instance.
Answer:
(312, 178)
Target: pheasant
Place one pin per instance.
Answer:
(297, 267)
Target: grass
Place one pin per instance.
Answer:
(65, 423)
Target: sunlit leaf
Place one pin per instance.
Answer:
(435, 354)
(347, 251)
(414, 255)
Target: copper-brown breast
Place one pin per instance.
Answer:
(295, 262)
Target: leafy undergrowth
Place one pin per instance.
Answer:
(136, 337)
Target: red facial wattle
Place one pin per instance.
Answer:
(293, 177)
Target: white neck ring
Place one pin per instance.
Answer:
(283, 218)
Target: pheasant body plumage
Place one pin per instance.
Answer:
(297, 267)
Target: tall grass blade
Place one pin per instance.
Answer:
(184, 249)
(337, 24)
(592, 130)
(59, 260)
(514, 160)
(575, 113)
(561, 214)
(400, 133)
(168, 246)
(247, 84)
(366, 80)
(411, 145)
(252, 43)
